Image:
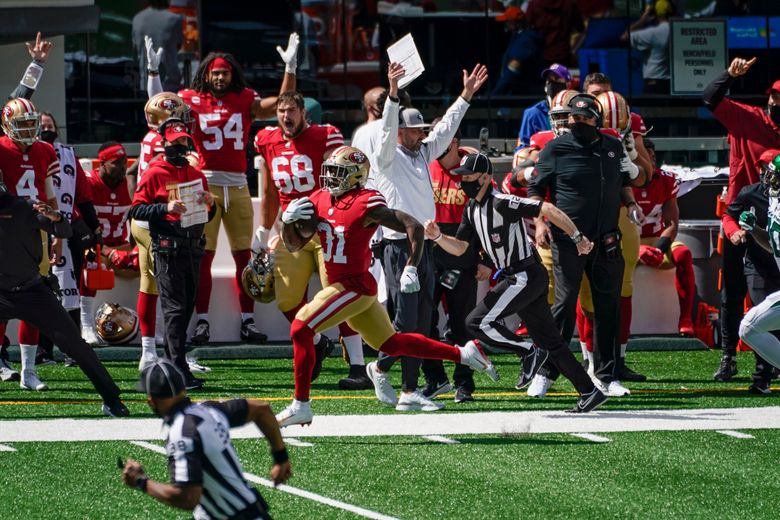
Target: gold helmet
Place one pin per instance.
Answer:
(165, 105)
(115, 324)
(345, 169)
(257, 278)
(616, 113)
(21, 121)
(560, 110)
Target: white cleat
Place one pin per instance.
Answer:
(474, 357)
(539, 386)
(415, 401)
(296, 413)
(31, 381)
(147, 359)
(7, 371)
(197, 367)
(382, 388)
(89, 335)
(615, 389)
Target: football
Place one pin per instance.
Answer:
(307, 228)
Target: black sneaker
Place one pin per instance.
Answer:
(727, 370)
(356, 380)
(321, 350)
(433, 390)
(43, 358)
(250, 334)
(115, 408)
(202, 333)
(626, 374)
(760, 388)
(532, 362)
(463, 396)
(193, 383)
(69, 361)
(589, 402)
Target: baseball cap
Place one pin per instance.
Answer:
(558, 69)
(768, 156)
(638, 126)
(775, 86)
(512, 13)
(161, 379)
(411, 118)
(585, 105)
(176, 130)
(474, 163)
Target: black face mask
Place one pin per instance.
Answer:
(774, 114)
(470, 188)
(584, 133)
(49, 136)
(551, 88)
(176, 154)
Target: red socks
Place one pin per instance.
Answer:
(204, 285)
(241, 258)
(625, 319)
(684, 280)
(419, 346)
(147, 314)
(28, 335)
(303, 358)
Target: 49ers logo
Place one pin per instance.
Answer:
(7, 111)
(168, 104)
(580, 104)
(357, 157)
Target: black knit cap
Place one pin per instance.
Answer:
(161, 379)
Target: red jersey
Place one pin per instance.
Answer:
(295, 164)
(345, 239)
(25, 173)
(449, 198)
(651, 198)
(159, 184)
(112, 207)
(540, 139)
(222, 128)
(151, 146)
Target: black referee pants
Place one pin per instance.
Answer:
(410, 312)
(525, 294)
(177, 272)
(605, 275)
(37, 305)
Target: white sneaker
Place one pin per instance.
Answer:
(615, 389)
(90, 336)
(473, 356)
(300, 414)
(197, 367)
(147, 359)
(31, 381)
(7, 372)
(539, 386)
(411, 401)
(382, 388)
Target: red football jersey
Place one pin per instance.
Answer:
(449, 198)
(151, 146)
(112, 207)
(651, 199)
(345, 239)
(25, 173)
(540, 139)
(221, 128)
(295, 164)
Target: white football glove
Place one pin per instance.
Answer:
(152, 56)
(290, 54)
(298, 209)
(410, 282)
(630, 145)
(628, 167)
(260, 240)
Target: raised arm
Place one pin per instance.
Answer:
(39, 52)
(389, 135)
(266, 108)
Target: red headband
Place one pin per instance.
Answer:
(112, 153)
(220, 63)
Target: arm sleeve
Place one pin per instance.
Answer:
(441, 135)
(515, 208)
(236, 410)
(144, 206)
(543, 173)
(388, 137)
(153, 85)
(714, 93)
(23, 91)
(88, 213)
(59, 229)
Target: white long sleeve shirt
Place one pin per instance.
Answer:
(401, 175)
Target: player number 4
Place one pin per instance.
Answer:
(233, 129)
(333, 235)
(26, 185)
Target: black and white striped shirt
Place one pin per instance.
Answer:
(200, 452)
(498, 222)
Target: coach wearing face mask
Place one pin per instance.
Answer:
(587, 179)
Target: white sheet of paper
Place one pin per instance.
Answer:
(404, 51)
(197, 213)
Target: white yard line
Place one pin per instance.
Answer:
(441, 439)
(477, 423)
(591, 437)
(736, 435)
(292, 441)
(367, 513)
(3, 447)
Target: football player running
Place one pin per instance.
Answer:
(347, 214)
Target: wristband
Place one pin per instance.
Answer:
(663, 243)
(141, 483)
(394, 99)
(437, 238)
(153, 72)
(577, 237)
(280, 456)
(32, 75)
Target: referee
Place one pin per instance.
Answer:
(496, 219)
(206, 474)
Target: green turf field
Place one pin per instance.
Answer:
(648, 474)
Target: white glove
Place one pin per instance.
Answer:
(290, 54)
(630, 146)
(410, 283)
(628, 167)
(260, 240)
(152, 56)
(635, 214)
(298, 209)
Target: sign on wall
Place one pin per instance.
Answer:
(698, 54)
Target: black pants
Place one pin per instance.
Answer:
(410, 312)
(605, 275)
(732, 296)
(177, 273)
(525, 294)
(461, 300)
(38, 306)
(759, 287)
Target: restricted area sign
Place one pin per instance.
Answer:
(698, 54)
